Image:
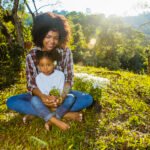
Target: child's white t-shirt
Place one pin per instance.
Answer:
(47, 82)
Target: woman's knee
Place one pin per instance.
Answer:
(89, 100)
(16, 101)
(70, 99)
(10, 102)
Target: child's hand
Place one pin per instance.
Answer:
(59, 100)
(49, 101)
(56, 93)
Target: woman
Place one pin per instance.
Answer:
(50, 32)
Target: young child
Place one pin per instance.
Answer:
(49, 78)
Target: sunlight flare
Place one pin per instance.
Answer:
(92, 43)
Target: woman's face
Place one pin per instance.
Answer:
(50, 41)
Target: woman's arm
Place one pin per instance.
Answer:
(31, 72)
(68, 72)
(68, 69)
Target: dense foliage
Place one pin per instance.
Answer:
(14, 33)
(116, 46)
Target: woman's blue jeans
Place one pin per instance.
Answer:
(28, 104)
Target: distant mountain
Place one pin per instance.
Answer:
(141, 22)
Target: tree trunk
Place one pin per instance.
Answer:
(6, 34)
(17, 24)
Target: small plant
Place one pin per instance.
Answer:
(55, 92)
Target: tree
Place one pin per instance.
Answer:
(78, 43)
(10, 14)
(117, 44)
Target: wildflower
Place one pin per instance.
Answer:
(96, 82)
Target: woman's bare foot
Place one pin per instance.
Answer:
(60, 124)
(76, 116)
(48, 126)
(27, 118)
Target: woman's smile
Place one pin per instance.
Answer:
(51, 40)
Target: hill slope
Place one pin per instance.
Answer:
(123, 123)
(141, 22)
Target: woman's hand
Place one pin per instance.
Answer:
(49, 101)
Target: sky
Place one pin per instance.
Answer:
(107, 7)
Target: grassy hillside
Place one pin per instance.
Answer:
(123, 123)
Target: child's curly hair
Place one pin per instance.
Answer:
(46, 22)
(52, 55)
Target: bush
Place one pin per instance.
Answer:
(90, 84)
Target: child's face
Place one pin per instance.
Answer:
(46, 66)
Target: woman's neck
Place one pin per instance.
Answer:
(44, 49)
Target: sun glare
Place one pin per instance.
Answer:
(107, 7)
(92, 43)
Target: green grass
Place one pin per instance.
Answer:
(124, 122)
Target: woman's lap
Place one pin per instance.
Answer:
(22, 102)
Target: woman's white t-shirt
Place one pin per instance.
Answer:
(47, 82)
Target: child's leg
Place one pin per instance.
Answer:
(65, 106)
(41, 109)
(60, 124)
(47, 115)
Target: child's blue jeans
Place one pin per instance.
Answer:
(28, 104)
